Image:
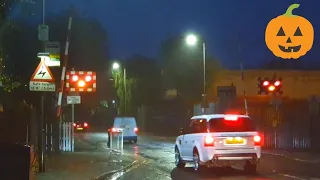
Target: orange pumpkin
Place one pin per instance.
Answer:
(289, 36)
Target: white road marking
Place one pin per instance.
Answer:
(117, 175)
(292, 158)
(298, 178)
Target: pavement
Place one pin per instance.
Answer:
(90, 161)
(153, 158)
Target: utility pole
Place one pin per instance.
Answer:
(42, 130)
(125, 90)
(204, 77)
(242, 77)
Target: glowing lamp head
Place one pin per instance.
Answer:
(266, 83)
(191, 39)
(81, 83)
(88, 78)
(75, 78)
(115, 65)
(271, 88)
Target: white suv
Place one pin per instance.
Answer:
(219, 140)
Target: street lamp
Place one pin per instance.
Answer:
(192, 40)
(116, 66)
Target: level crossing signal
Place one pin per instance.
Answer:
(272, 86)
(81, 81)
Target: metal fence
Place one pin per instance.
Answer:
(66, 137)
(289, 125)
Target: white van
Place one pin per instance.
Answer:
(129, 127)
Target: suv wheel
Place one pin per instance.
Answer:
(250, 168)
(196, 162)
(177, 158)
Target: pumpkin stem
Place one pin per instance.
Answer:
(290, 9)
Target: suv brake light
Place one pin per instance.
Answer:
(209, 141)
(257, 140)
(231, 118)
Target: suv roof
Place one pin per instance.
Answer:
(212, 116)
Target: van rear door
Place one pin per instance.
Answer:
(127, 124)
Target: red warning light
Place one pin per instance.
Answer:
(88, 78)
(266, 83)
(75, 78)
(277, 83)
(271, 88)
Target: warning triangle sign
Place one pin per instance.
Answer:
(42, 73)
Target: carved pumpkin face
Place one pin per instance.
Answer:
(289, 36)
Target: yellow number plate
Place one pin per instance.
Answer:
(234, 141)
(79, 128)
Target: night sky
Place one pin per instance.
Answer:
(139, 26)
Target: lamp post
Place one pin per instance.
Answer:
(192, 40)
(116, 66)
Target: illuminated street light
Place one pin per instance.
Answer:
(191, 39)
(115, 66)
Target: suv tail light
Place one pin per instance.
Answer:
(85, 124)
(113, 129)
(257, 140)
(136, 130)
(209, 141)
(74, 124)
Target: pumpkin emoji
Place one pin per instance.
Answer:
(289, 36)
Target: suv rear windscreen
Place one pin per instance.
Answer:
(239, 125)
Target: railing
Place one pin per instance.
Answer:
(116, 141)
(65, 134)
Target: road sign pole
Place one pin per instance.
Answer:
(72, 122)
(41, 145)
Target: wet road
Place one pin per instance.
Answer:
(156, 162)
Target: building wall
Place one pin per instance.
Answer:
(295, 84)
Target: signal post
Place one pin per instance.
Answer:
(78, 82)
(272, 86)
(42, 80)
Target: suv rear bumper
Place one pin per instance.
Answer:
(233, 159)
(235, 156)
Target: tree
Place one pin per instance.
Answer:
(147, 73)
(125, 97)
(183, 68)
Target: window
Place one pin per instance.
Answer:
(239, 125)
(199, 125)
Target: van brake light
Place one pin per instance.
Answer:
(257, 140)
(209, 141)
